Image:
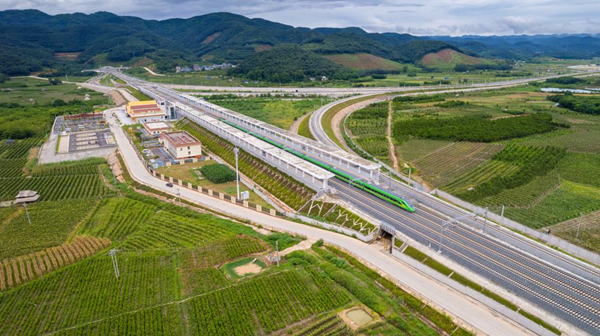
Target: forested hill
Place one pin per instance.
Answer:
(32, 41)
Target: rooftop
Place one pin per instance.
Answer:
(157, 125)
(180, 139)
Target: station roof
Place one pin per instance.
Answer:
(284, 156)
(156, 125)
(328, 150)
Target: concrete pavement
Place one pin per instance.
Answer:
(481, 318)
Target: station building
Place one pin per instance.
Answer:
(181, 145)
(145, 111)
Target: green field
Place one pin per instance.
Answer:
(281, 112)
(26, 91)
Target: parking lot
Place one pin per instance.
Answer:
(90, 140)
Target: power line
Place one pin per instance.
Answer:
(113, 255)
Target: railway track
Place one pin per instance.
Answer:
(568, 296)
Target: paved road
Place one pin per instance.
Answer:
(480, 317)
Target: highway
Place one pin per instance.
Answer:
(573, 298)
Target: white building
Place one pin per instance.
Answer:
(181, 145)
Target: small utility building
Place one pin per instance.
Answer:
(181, 145)
(145, 111)
(156, 128)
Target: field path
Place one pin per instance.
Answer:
(297, 122)
(389, 138)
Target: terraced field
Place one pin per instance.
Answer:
(447, 163)
(525, 196)
(480, 175)
(589, 231)
(565, 203)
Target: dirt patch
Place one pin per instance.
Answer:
(13, 214)
(449, 56)
(356, 317)
(33, 153)
(210, 38)
(262, 47)
(66, 56)
(250, 268)
(364, 61)
(118, 98)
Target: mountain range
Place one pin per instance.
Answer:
(33, 41)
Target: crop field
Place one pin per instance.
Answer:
(24, 89)
(281, 112)
(363, 61)
(447, 163)
(168, 231)
(18, 270)
(526, 195)
(481, 174)
(566, 202)
(171, 281)
(589, 231)
(581, 168)
(367, 128)
(282, 186)
(51, 223)
(415, 149)
(117, 218)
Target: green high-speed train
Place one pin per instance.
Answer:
(352, 180)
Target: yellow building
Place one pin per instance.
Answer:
(145, 111)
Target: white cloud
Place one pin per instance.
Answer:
(433, 17)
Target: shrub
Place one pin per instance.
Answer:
(218, 173)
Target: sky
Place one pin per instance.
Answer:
(425, 17)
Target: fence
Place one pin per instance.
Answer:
(552, 240)
(244, 203)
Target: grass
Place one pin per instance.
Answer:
(229, 268)
(280, 112)
(186, 173)
(304, 128)
(137, 94)
(566, 202)
(363, 61)
(24, 89)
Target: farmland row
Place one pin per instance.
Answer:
(16, 271)
(449, 162)
(17, 149)
(55, 187)
(267, 304)
(117, 218)
(170, 231)
(216, 253)
(88, 291)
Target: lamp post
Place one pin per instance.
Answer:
(237, 171)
